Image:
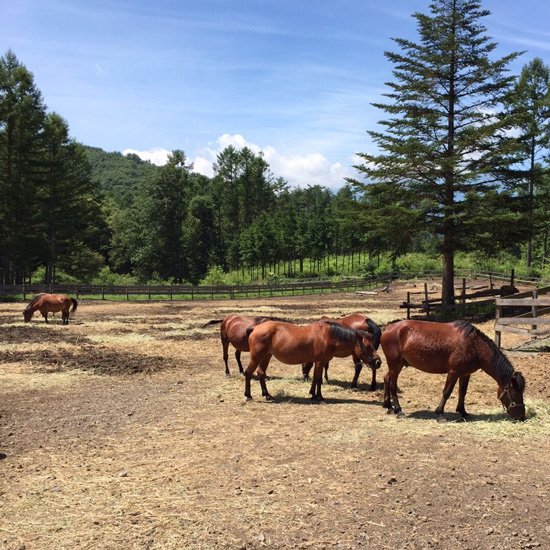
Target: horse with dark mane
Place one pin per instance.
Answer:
(51, 303)
(234, 330)
(457, 349)
(356, 321)
(294, 344)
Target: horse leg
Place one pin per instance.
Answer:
(358, 368)
(387, 399)
(225, 346)
(247, 376)
(326, 371)
(463, 382)
(45, 315)
(373, 381)
(315, 389)
(261, 375)
(306, 369)
(238, 358)
(390, 388)
(447, 390)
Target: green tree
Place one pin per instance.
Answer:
(445, 136)
(200, 236)
(22, 114)
(530, 103)
(71, 211)
(161, 208)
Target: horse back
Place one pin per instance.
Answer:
(428, 346)
(289, 343)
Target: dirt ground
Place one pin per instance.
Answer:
(120, 430)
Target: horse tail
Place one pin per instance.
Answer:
(375, 330)
(249, 332)
(75, 305)
(213, 322)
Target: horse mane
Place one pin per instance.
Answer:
(33, 301)
(503, 367)
(344, 334)
(376, 332)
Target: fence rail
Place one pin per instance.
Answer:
(526, 308)
(188, 292)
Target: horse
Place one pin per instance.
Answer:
(233, 331)
(51, 303)
(457, 349)
(356, 321)
(295, 344)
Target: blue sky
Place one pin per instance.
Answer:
(294, 79)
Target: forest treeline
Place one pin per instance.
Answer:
(462, 167)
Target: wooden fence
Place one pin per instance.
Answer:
(523, 313)
(480, 294)
(187, 292)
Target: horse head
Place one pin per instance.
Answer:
(511, 396)
(368, 354)
(27, 314)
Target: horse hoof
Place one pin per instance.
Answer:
(400, 414)
(441, 419)
(268, 397)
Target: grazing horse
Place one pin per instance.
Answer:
(457, 349)
(295, 344)
(51, 303)
(234, 330)
(356, 321)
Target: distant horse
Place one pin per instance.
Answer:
(233, 331)
(356, 321)
(50, 303)
(295, 344)
(457, 349)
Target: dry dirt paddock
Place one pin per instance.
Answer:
(120, 430)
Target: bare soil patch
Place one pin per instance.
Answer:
(173, 457)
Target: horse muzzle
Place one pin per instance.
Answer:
(516, 411)
(375, 363)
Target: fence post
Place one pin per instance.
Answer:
(498, 313)
(534, 309)
(103, 292)
(408, 305)
(426, 299)
(512, 277)
(24, 294)
(149, 292)
(127, 295)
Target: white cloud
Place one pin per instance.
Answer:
(298, 170)
(156, 155)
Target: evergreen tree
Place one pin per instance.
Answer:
(445, 136)
(71, 214)
(161, 208)
(22, 114)
(530, 103)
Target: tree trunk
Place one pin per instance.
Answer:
(447, 283)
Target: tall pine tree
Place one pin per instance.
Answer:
(445, 135)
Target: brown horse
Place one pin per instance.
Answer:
(295, 344)
(356, 321)
(50, 303)
(234, 330)
(457, 349)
